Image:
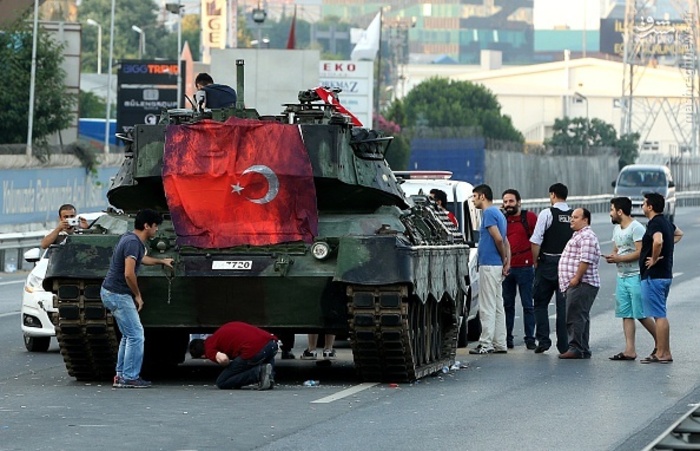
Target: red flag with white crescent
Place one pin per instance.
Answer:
(329, 97)
(239, 182)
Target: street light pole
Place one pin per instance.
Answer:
(588, 122)
(32, 80)
(109, 76)
(142, 40)
(176, 8)
(99, 44)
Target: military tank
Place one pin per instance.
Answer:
(299, 226)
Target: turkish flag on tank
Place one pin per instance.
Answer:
(239, 182)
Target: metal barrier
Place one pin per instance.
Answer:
(600, 203)
(14, 245)
(683, 434)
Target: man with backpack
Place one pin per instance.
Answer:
(520, 224)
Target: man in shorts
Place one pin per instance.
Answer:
(656, 268)
(627, 245)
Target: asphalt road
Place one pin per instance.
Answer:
(514, 401)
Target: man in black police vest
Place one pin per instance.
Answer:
(551, 234)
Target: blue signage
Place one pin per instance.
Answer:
(34, 195)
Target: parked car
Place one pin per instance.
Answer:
(635, 180)
(37, 305)
(459, 202)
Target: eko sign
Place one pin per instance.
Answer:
(356, 79)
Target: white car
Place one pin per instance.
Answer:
(37, 305)
(459, 202)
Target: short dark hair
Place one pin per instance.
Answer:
(147, 216)
(586, 215)
(656, 201)
(512, 191)
(65, 207)
(203, 79)
(622, 203)
(560, 190)
(441, 196)
(485, 190)
(197, 348)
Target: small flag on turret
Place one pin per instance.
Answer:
(292, 40)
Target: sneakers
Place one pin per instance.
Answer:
(118, 381)
(329, 354)
(309, 355)
(531, 345)
(481, 350)
(134, 383)
(288, 355)
(510, 345)
(500, 351)
(265, 382)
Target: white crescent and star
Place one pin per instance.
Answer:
(273, 184)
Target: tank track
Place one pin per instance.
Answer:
(85, 330)
(396, 337)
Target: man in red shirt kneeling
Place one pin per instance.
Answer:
(246, 352)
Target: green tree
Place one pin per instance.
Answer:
(578, 135)
(160, 43)
(628, 149)
(439, 102)
(91, 105)
(53, 106)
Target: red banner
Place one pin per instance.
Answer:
(239, 182)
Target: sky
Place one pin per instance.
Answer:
(575, 13)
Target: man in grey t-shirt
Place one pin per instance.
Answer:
(627, 244)
(121, 295)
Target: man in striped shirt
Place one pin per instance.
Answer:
(579, 280)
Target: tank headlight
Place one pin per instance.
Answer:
(320, 250)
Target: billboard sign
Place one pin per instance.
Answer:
(356, 79)
(144, 89)
(654, 37)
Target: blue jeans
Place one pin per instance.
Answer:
(130, 355)
(520, 279)
(240, 372)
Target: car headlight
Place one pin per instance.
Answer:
(33, 283)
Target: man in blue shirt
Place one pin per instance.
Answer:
(121, 295)
(217, 96)
(494, 264)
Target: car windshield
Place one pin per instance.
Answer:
(642, 178)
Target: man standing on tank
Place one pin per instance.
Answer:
(217, 96)
(521, 224)
(494, 261)
(552, 232)
(121, 295)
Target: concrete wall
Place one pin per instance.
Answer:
(532, 175)
(272, 76)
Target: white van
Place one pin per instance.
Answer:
(459, 202)
(635, 180)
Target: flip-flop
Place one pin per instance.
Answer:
(654, 359)
(622, 356)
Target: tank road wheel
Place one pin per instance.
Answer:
(397, 337)
(85, 330)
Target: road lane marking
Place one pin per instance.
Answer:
(11, 282)
(8, 314)
(345, 393)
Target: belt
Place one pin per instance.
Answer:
(551, 255)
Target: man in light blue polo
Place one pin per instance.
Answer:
(494, 263)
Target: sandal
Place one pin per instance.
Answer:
(622, 356)
(654, 359)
